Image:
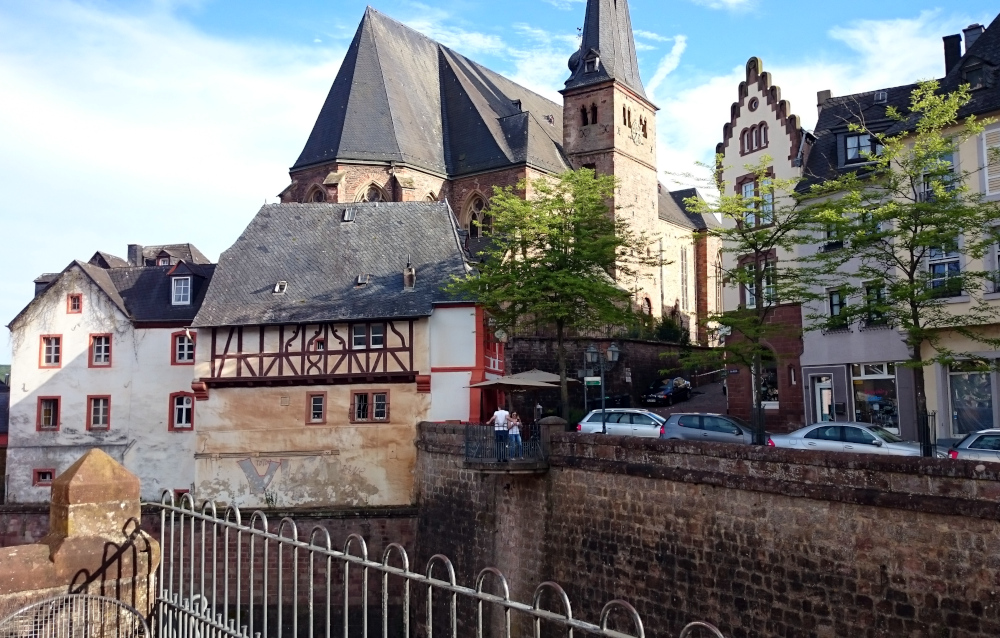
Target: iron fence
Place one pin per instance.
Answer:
(223, 577)
(75, 616)
(485, 444)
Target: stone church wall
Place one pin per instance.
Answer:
(761, 542)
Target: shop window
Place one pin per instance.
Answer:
(767, 384)
(971, 393)
(875, 399)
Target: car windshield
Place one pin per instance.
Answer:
(742, 422)
(884, 434)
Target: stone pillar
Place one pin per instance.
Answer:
(94, 544)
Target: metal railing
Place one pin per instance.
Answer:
(485, 444)
(222, 577)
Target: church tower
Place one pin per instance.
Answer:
(609, 124)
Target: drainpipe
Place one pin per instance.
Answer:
(662, 294)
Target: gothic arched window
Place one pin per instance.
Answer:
(593, 114)
(372, 193)
(480, 221)
(583, 115)
(318, 195)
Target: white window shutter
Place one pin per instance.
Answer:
(991, 140)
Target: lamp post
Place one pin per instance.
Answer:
(604, 363)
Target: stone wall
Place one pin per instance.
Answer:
(762, 542)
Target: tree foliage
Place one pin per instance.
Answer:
(762, 231)
(907, 232)
(559, 258)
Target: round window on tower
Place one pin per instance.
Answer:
(754, 103)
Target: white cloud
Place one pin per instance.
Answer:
(726, 4)
(695, 108)
(148, 130)
(432, 22)
(649, 35)
(540, 64)
(668, 64)
(565, 5)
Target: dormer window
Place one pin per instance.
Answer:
(349, 215)
(860, 148)
(975, 77)
(591, 64)
(181, 291)
(280, 287)
(163, 261)
(881, 97)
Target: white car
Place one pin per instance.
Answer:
(859, 438)
(622, 421)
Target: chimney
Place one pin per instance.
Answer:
(972, 33)
(952, 51)
(821, 98)
(409, 277)
(135, 255)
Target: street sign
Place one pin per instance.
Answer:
(592, 381)
(628, 375)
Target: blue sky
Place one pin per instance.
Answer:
(162, 121)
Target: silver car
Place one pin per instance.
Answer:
(860, 438)
(623, 422)
(721, 428)
(983, 445)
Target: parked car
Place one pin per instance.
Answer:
(983, 445)
(622, 421)
(667, 392)
(694, 426)
(860, 438)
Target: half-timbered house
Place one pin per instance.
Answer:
(327, 335)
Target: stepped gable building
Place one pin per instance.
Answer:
(103, 357)
(326, 336)
(851, 373)
(408, 119)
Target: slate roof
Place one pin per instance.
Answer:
(320, 257)
(607, 30)
(141, 293)
(838, 111)
(182, 252)
(107, 260)
(671, 209)
(401, 97)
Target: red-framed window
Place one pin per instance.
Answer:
(370, 407)
(49, 413)
(99, 412)
(50, 351)
(43, 477)
(182, 346)
(318, 345)
(181, 417)
(74, 303)
(100, 351)
(178, 493)
(316, 408)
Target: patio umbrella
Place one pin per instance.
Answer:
(513, 382)
(539, 375)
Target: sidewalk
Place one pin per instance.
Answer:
(707, 398)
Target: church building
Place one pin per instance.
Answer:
(408, 119)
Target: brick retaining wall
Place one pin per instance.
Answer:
(763, 542)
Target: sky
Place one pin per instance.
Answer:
(171, 121)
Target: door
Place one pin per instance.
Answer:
(645, 425)
(721, 430)
(823, 393)
(828, 438)
(690, 428)
(614, 425)
(860, 442)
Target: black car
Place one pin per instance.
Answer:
(667, 392)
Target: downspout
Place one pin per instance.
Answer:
(662, 294)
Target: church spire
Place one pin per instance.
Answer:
(607, 51)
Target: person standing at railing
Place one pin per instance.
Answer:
(499, 421)
(516, 449)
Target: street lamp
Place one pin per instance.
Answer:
(593, 356)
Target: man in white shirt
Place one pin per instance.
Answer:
(499, 423)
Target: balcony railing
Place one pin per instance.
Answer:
(486, 446)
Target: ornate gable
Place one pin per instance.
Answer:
(759, 96)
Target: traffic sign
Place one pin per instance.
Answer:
(592, 380)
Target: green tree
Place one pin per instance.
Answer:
(559, 258)
(904, 223)
(763, 227)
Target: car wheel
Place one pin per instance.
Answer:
(670, 399)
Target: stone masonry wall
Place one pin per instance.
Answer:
(761, 542)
